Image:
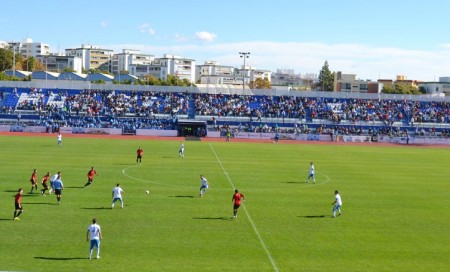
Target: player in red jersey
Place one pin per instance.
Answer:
(237, 198)
(18, 204)
(139, 153)
(33, 181)
(90, 176)
(44, 183)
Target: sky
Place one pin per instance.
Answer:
(372, 39)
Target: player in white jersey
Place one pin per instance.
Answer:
(117, 195)
(94, 235)
(52, 180)
(337, 204)
(181, 151)
(204, 185)
(311, 174)
(59, 139)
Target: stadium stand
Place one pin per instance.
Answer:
(131, 110)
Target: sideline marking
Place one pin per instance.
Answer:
(274, 265)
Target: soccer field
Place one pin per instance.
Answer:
(395, 207)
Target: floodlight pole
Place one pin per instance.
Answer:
(14, 62)
(244, 55)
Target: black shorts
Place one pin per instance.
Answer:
(45, 185)
(58, 191)
(236, 206)
(18, 206)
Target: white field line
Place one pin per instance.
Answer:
(272, 261)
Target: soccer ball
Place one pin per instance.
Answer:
(147, 192)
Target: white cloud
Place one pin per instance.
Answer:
(445, 45)
(145, 28)
(205, 36)
(367, 62)
(104, 23)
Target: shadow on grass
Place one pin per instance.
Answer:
(61, 258)
(312, 216)
(74, 187)
(182, 196)
(214, 218)
(96, 208)
(293, 182)
(28, 194)
(6, 219)
(39, 203)
(10, 191)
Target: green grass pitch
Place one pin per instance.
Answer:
(396, 203)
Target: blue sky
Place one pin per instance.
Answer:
(372, 39)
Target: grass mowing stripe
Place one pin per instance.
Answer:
(272, 261)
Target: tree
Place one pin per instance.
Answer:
(68, 70)
(29, 63)
(326, 79)
(39, 66)
(6, 59)
(260, 83)
(400, 88)
(422, 90)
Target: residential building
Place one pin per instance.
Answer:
(249, 74)
(441, 88)
(402, 79)
(173, 65)
(211, 72)
(288, 77)
(57, 63)
(349, 83)
(133, 61)
(93, 57)
(27, 48)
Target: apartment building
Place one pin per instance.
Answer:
(28, 48)
(133, 61)
(211, 72)
(349, 83)
(248, 74)
(172, 65)
(93, 57)
(288, 77)
(57, 63)
(440, 88)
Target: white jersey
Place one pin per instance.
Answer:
(94, 231)
(117, 191)
(204, 182)
(182, 148)
(54, 177)
(338, 199)
(59, 138)
(311, 170)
